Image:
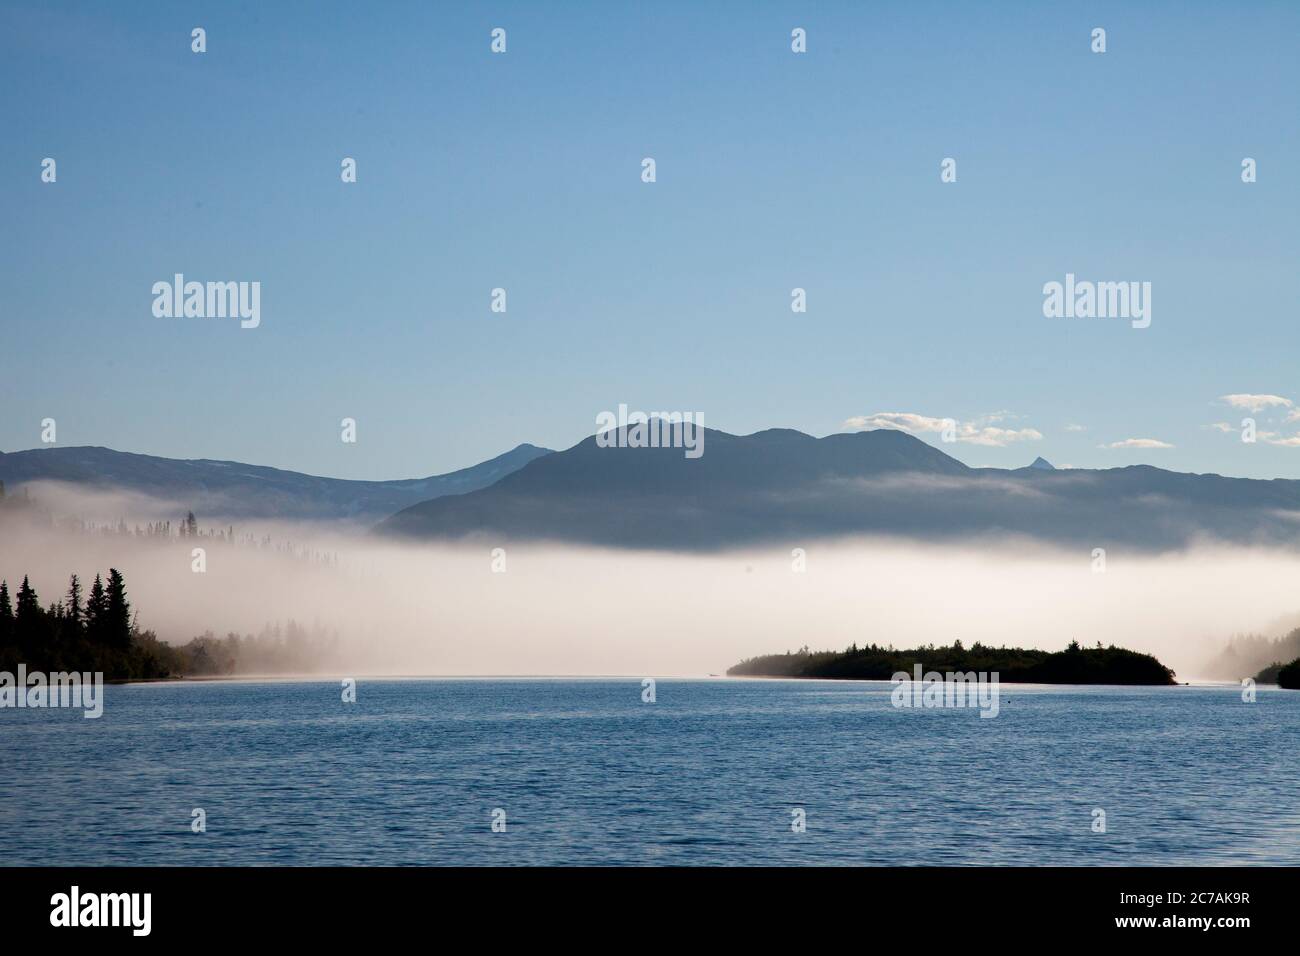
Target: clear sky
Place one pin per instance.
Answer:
(775, 170)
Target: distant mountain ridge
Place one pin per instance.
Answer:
(229, 489)
(777, 485)
(784, 486)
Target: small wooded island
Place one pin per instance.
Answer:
(1074, 665)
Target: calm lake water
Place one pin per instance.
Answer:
(709, 774)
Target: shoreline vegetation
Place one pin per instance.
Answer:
(1255, 655)
(1074, 665)
(98, 632)
(1284, 675)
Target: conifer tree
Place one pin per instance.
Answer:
(73, 609)
(117, 629)
(96, 612)
(29, 625)
(29, 606)
(6, 616)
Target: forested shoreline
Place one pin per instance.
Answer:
(1074, 665)
(97, 631)
(1284, 675)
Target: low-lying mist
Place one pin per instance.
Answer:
(402, 608)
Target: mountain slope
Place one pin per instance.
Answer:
(785, 486)
(229, 489)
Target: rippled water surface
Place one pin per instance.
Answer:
(708, 774)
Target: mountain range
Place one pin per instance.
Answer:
(231, 489)
(777, 485)
(784, 486)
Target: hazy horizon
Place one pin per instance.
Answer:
(401, 608)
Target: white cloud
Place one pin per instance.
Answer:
(906, 421)
(1256, 403)
(1076, 428)
(979, 431)
(1139, 443)
(1274, 439)
(997, 437)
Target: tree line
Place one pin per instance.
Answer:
(98, 632)
(1074, 665)
(81, 631)
(187, 529)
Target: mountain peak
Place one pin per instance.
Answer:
(1042, 464)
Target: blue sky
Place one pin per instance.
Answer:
(522, 171)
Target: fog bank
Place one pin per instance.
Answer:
(443, 610)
